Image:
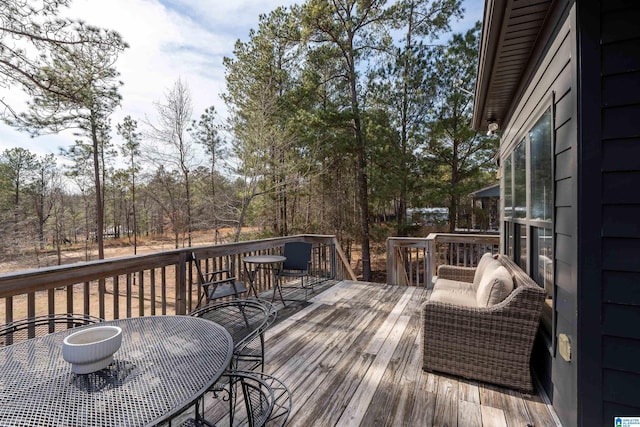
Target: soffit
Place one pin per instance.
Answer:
(511, 32)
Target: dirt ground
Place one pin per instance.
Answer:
(113, 248)
(124, 247)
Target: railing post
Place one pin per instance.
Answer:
(101, 296)
(390, 263)
(332, 261)
(431, 260)
(141, 293)
(181, 284)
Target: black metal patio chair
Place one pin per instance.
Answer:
(24, 329)
(246, 320)
(216, 284)
(297, 264)
(258, 400)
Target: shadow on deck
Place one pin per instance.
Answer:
(352, 356)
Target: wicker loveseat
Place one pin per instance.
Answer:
(490, 343)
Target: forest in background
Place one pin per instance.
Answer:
(341, 115)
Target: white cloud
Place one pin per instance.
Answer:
(230, 16)
(181, 39)
(168, 39)
(164, 46)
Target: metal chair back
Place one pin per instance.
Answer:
(246, 321)
(297, 264)
(267, 401)
(298, 256)
(258, 399)
(21, 330)
(216, 284)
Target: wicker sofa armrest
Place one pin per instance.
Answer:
(452, 272)
(491, 344)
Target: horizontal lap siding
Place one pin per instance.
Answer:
(621, 154)
(621, 287)
(620, 67)
(621, 221)
(564, 374)
(613, 392)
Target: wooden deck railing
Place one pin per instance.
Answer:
(159, 283)
(414, 261)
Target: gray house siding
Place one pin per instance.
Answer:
(619, 172)
(554, 82)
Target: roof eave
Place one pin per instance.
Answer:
(514, 35)
(491, 27)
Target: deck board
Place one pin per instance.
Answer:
(492, 417)
(328, 383)
(469, 391)
(446, 403)
(416, 401)
(391, 398)
(354, 357)
(469, 414)
(320, 376)
(361, 400)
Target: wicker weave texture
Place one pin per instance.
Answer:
(453, 272)
(490, 344)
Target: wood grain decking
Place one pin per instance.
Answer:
(353, 358)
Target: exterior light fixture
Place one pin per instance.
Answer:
(492, 127)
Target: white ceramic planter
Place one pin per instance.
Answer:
(91, 349)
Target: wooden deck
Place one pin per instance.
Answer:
(353, 358)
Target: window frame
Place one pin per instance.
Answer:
(510, 239)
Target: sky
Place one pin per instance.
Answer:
(171, 39)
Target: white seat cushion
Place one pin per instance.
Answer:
(454, 292)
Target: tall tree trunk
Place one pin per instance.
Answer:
(98, 188)
(39, 202)
(116, 226)
(285, 219)
(361, 175)
(404, 137)
(453, 202)
(41, 221)
(87, 234)
(16, 216)
(135, 217)
(243, 213)
(176, 237)
(187, 184)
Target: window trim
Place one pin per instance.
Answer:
(510, 223)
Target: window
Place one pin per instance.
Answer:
(508, 195)
(527, 179)
(520, 180)
(521, 246)
(508, 239)
(540, 137)
(543, 250)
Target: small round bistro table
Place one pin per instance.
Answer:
(165, 363)
(254, 263)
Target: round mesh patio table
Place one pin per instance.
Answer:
(164, 365)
